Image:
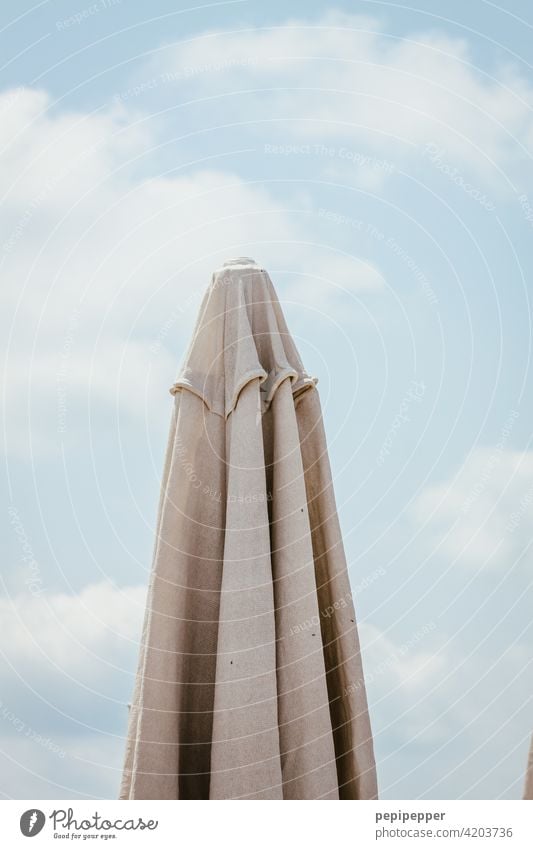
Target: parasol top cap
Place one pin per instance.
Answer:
(239, 260)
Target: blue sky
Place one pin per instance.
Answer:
(377, 160)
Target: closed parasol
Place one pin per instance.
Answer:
(249, 682)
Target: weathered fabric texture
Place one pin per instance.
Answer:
(249, 683)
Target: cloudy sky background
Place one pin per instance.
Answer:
(378, 161)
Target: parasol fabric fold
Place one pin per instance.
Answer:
(249, 683)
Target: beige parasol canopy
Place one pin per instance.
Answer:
(249, 682)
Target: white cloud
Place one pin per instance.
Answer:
(77, 655)
(401, 676)
(67, 672)
(331, 276)
(342, 76)
(121, 244)
(370, 176)
(50, 397)
(481, 516)
(447, 730)
(86, 636)
(100, 263)
(60, 767)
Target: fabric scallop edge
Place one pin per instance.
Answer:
(269, 384)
